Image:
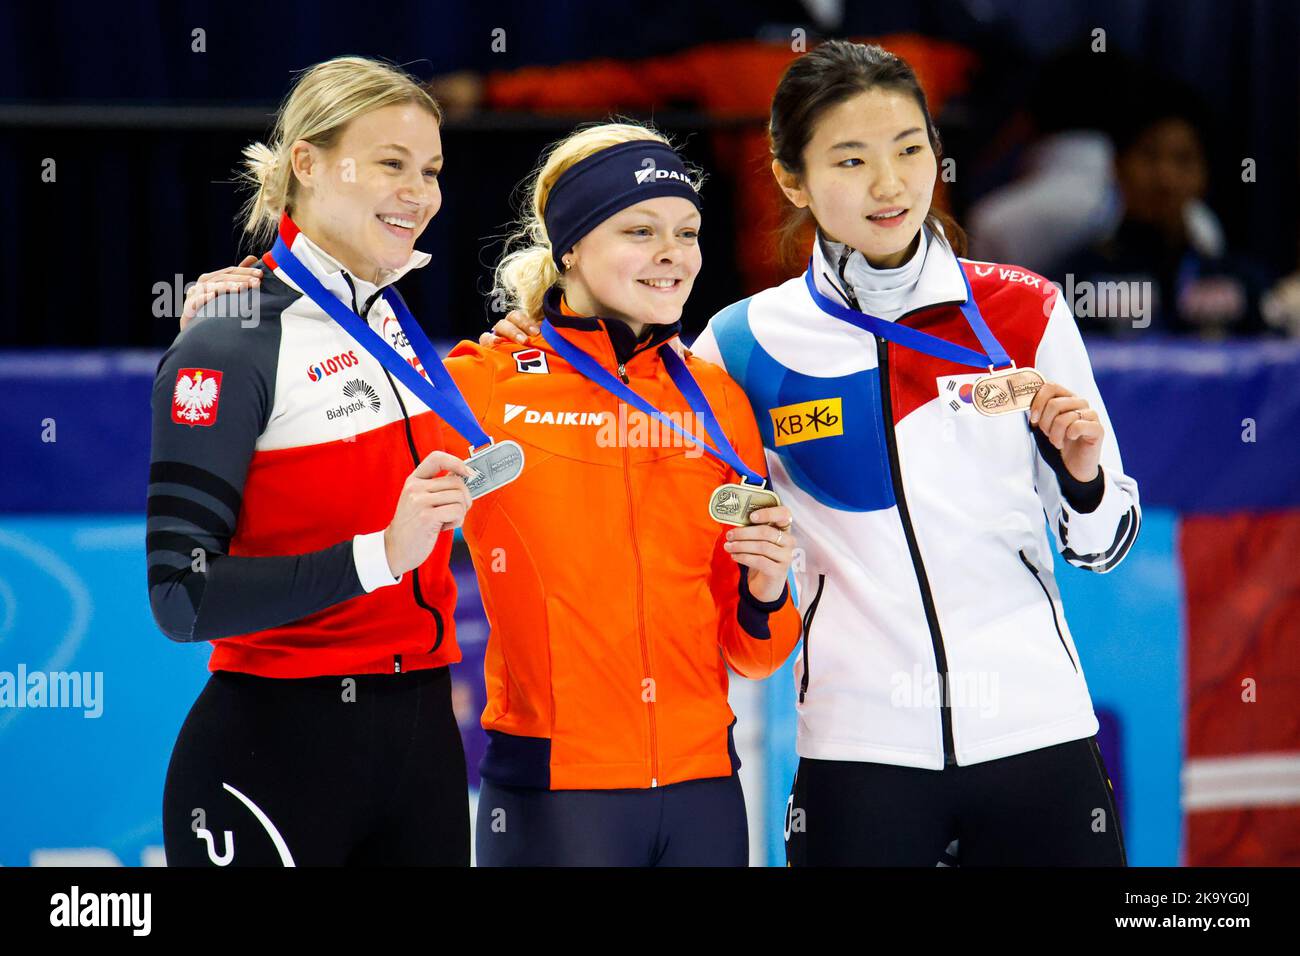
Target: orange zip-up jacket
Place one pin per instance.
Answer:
(614, 609)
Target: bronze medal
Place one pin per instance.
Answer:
(1011, 390)
(494, 466)
(733, 504)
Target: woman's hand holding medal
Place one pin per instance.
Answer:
(1071, 426)
(426, 507)
(766, 546)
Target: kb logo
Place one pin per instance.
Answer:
(805, 421)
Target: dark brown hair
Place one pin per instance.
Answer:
(821, 79)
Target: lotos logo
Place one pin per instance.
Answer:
(331, 365)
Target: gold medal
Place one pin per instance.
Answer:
(733, 504)
(1011, 390)
(496, 465)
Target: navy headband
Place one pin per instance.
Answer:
(591, 191)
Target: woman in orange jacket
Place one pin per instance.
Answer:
(615, 596)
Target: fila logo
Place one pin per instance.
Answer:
(534, 417)
(331, 365)
(805, 421)
(532, 361)
(650, 173)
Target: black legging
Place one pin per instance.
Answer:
(1048, 807)
(320, 772)
(691, 823)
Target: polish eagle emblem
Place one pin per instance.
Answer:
(194, 400)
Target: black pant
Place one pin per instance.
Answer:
(1048, 807)
(319, 771)
(692, 823)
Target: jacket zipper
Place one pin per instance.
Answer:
(415, 458)
(904, 516)
(640, 617)
(896, 477)
(640, 599)
(807, 633)
(927, 599)
(640, 603)
(1052, 604)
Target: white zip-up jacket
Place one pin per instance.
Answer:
(934, 632)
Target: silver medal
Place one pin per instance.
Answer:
(493, 467)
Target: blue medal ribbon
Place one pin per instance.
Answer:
(439, 391)
(588, 367)
(993, 356)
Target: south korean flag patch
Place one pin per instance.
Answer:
(531, 361)
(955, 393)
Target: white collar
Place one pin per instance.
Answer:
(862, 276)
(331, 272)
(938, 280)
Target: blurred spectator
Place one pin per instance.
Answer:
(1167, 248)
(1066, 197)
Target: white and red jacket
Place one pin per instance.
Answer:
(934, 632)
(279, 449)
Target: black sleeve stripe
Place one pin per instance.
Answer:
(1120, 531)
(183, 509)
(200, 479)
(231, 518)
(1118, 556)
(1125, 535)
